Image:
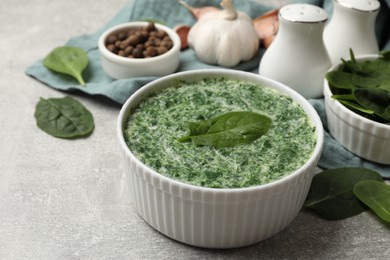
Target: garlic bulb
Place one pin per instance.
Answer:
(226, 37)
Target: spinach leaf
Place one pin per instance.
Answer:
(375, 68)
(340, 79)
(331, 192)
(385, 54)
(387, 111)
(352, 65)
(63, 117)
(67, 60)
(376, 195)
(364, 82)
(229, 129)
(385, 86)
(347, 97)
(374, 99)
(367, 82)
(356, 107)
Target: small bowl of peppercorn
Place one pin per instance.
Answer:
(139, 49)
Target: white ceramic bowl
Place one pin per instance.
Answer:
(365, 138)
(216, 218)
(122, 67)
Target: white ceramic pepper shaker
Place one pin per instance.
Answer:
(352, 26)
(297, 57)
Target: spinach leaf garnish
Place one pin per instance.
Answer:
(63, 117)
(230, 129)
(67, 60)
(331, 192)
(364, 87)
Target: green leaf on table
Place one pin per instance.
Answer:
(376, 195)
(64, 117)
(331, 192)
(229, 129)
(67, 60)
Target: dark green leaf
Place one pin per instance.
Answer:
(67, 60)
(339, 79)
(376, 195)
(229, 129)
(356, 107)
(375, 67)
(385, 86)
(368, 82)
(331, 192)
(348, 97)
(385, 54)
(387, 111)
(374, 99)
(352, 65)
(64, 117)
(365, 81)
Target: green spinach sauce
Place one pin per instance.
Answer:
(151, 133)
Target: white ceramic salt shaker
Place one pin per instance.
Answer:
(352, 26)
(297, 57)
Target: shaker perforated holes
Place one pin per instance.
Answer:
(304, 13)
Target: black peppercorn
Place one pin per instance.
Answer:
(143, 42)
(137, 53)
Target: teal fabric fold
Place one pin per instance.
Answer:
(172, 13)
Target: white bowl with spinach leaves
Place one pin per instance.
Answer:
(357, 102)
(213, 216)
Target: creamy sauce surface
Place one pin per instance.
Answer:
(152, 130)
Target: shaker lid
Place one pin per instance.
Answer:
(360, 5)
(303, 13)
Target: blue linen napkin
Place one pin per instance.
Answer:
(172, 13)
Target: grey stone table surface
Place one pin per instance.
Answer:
(62, 199)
